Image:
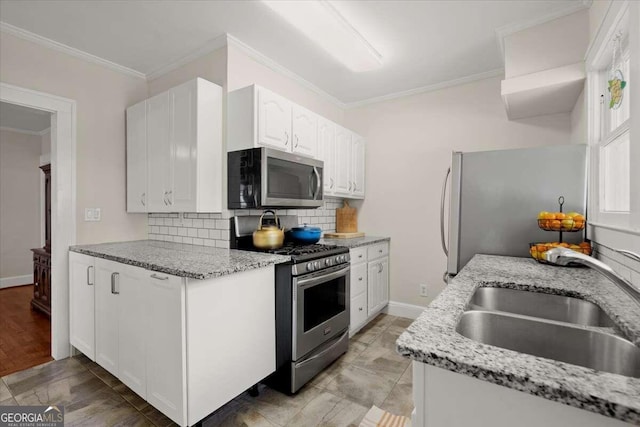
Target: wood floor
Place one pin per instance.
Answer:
(25, 334)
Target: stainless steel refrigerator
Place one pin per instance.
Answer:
(495, 197)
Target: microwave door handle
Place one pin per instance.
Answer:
(318, 183)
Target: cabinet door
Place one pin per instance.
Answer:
(357, 166)
(274, 120)
(166, 344)
(158, 153)
(343, 162)
(182, 191)
(327, 150)
(373, 296)
(305, 131)
(358, 311)
(384, 281)
(137, 158)
(358, 279)
(106, 315)
(131, 283)
(81, 299)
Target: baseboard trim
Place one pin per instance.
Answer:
(402, 309)
(9, 282)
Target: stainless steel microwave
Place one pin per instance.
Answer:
(266, 178)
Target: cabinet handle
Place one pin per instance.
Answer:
(142, 199)
(297, 141)
(355, 186)
(115, 277)
(380, 250)
(165, 199)
(89, 275)
(331, 183)
(360, 279)
(380, 268)
(360, 309)
(170, 197)
(286, 135)
(155, 276)
(360, 256)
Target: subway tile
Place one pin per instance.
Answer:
(203, 233)
(215, 234)
(209, 242)
(222, 244)
(162, 230)
(182, 231)
(177, 239)
(198, 223)
(192, 232)
(209, 223)
(222, 224)
(197, 241)
(187, 240)
(224, 235)
(187, 222)
(154, 229)
(172, 231)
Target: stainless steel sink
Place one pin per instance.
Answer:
(552, 340)
(545, 306)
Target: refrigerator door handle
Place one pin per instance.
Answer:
(442, 202)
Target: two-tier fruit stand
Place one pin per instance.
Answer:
(561, 223)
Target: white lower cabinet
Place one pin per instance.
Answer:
(369, 283)
(185, 346)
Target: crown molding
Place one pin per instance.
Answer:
(504, 31)
(273, 65)
(429, 88)
(210, 46)
(60, 47)
(24, 131)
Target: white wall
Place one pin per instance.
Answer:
(19, 202)
(579, 120)
(101, 96)
(409, 144)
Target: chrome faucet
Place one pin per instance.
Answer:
(564, 256)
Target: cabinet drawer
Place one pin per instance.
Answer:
(358, 279)
(377, 251)
(358, 255)
(358, 311)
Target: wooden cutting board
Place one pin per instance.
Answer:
(346, 219)
(343, 235)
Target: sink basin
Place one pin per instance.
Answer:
(552, 340)
(545, 306)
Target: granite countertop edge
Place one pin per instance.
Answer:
(183, 260)
(432, 338)
(355, 242)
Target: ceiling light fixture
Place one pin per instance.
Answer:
(323, 24)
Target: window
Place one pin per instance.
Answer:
(614, 133)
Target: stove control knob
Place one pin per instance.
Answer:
(316, 264)
(337, 259)
(309, 266)
(327, 262)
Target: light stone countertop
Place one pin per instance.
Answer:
(178, 259)
(433, 339)
(355, 241)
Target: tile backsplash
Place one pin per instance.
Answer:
(623, 265)
(213, 229)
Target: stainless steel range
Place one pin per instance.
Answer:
(312, 304)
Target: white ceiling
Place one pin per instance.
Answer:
(423, 43)
(23, 118)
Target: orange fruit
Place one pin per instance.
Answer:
(556, 225)
(550, 215)
(560, 215)
(585, 245)
(579, 217)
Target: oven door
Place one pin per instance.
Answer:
(321, 302)
(290, 180)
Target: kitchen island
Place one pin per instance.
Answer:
(188, 328)
(458, 380)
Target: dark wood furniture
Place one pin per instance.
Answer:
(42, 256)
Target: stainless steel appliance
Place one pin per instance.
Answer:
(263, 178)
(312, 304)
(495, 197)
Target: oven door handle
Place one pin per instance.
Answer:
(306, 283)
(325, 351)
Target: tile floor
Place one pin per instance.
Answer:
(369, 373)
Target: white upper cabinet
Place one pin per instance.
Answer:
(182, 145)
(274, 120)
(137, 158)
(343, 162)
(327, 153)
(357, 166)
(305, 132)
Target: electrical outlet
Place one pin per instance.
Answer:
(423, 289)
(92, 214)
